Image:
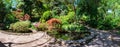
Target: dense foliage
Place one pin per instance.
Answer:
(63, 15)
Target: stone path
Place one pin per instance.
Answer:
(104, 39)
(41, 39)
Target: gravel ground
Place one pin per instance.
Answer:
(41, 39)
(104, 39)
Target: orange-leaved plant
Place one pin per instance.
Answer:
(52, 22)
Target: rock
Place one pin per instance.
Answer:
(33, 30)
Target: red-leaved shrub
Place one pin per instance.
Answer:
(52, 22)
(19, 15)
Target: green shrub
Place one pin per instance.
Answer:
(103, 15)
(42, 26)
(110, 22)
(46, 15)
(3, 11)
(116, 22)
(73, 27)
(67, 18)
(84, 18)
(69, 32)
(10, 18)
(36, 13)
(21, 26)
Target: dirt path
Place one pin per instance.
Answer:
(23, 40)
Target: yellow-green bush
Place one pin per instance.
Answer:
(46, 15)
(67, 18)
(42, 26)
(21, 26)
